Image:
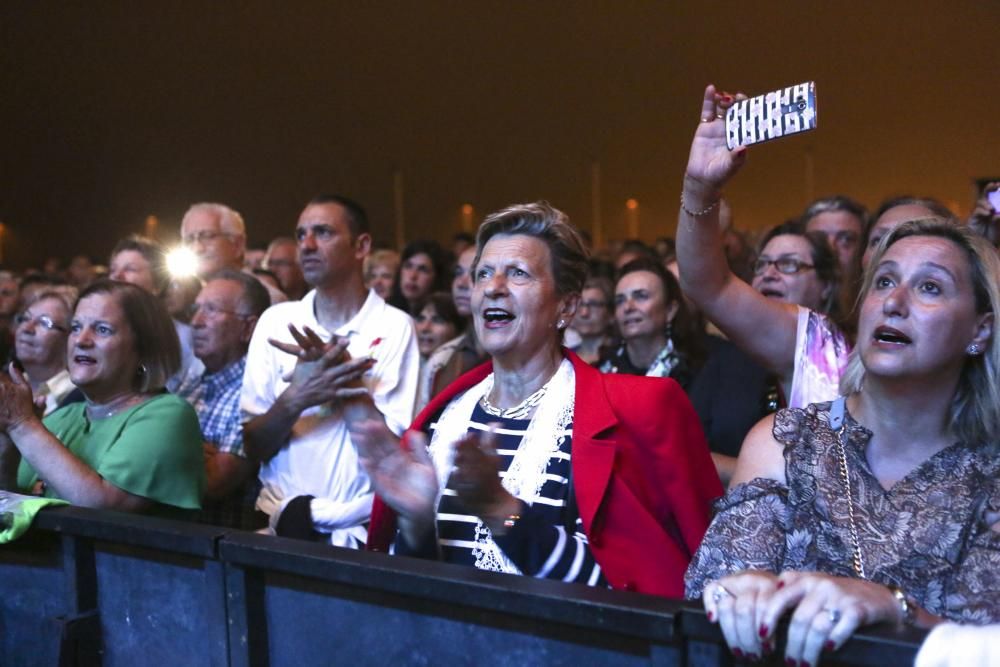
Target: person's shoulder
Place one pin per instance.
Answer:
(166, 404)
(389, 313)
(761, 455)
(793, 424)
(68, 413)
(639, 390)
(282, 312)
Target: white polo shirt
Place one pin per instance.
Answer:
(319, 459)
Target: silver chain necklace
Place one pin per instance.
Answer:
(519, 411)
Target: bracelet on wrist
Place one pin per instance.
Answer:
(907, 606)
(703, 212)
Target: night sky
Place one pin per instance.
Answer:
(113, 111)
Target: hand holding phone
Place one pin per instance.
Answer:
(776, 114)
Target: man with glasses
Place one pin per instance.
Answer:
(225, 314)
(216, 234)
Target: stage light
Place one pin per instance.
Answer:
(182, 262)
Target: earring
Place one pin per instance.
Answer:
(561, 324)
(973, 349)
(142, 370)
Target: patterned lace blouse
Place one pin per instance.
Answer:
(928, 534)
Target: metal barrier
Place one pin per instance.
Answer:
(86, 587)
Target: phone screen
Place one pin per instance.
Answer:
(994, 198)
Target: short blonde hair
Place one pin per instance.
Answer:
(975, 408)
(549, 224)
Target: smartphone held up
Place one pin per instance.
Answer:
(782, 112)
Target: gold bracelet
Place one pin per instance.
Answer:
(704, 211)
(907, 608)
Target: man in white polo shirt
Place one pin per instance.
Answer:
(313, 486)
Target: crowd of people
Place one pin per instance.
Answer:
(806, 430)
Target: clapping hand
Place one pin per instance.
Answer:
(476, 480)
(324, 372)
(403, 475)
(17, 406)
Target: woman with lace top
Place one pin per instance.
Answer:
(659, 338)
(884, 506)
(535, 463)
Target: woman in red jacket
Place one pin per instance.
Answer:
(536, 463)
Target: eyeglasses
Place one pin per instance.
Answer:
(204, 236)
(787, 265)
(211, 310)
(44, 320)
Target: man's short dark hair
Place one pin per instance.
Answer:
(255, 298)
(357, 219)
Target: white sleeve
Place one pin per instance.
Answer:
(398, 370)
(952, 645)
(260, 383)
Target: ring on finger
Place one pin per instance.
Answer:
(833, 614)
(707, 120)
(720, 592)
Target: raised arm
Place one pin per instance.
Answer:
(760, 326)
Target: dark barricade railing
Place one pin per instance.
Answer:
(88, 587)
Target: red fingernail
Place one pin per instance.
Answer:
(768, 647)
(829, 646)
(762, 632)
(711, 616)
(781, 584)
(790, 662)
(738, 653)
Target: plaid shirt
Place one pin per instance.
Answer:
(216, 399)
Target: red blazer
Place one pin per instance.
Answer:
(642, 473)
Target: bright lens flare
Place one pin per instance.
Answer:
(181, 262)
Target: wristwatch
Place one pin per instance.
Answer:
(907, 606)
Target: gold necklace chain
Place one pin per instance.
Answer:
(857, 561)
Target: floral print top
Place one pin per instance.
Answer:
(821, 353)
(929, 534)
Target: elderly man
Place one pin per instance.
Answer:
(313, 485)
(282, 260)
(225, 314)
(216, 234)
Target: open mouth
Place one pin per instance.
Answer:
(772, 293)
(84, 360)
(496, 317)
(890, 336)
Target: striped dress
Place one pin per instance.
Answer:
(547, 542)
